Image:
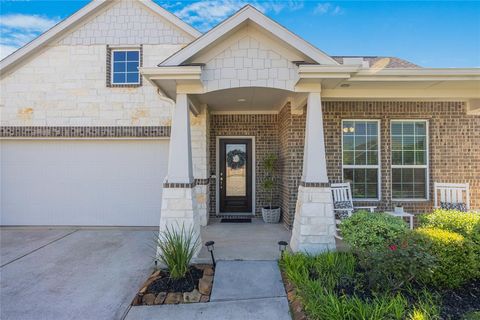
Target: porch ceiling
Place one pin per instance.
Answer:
(248, 99)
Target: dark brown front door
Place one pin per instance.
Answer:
(235, 175)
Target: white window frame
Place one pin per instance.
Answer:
(378, 166)
(425, 166)
(112, 63)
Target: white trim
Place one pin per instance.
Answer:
(378, 166)
(425, 166)
(217, 173)
(78, 17)
(120, 49)
(248, 13)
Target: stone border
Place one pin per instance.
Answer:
(84, 132)
(109, 70)
(314, 184)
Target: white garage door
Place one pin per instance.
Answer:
(82, 182)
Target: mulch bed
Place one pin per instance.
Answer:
(160, 288)
(458, 302)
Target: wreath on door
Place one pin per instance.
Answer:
(236, 159)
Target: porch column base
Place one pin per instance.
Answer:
(179, 208)
(314, 224)
(202, 193)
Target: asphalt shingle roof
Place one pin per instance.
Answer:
(381, 62)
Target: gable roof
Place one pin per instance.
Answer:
(77, 18)
(248, 13)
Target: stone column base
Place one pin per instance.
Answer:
(314, 224)
(202, 192)
(179, 208)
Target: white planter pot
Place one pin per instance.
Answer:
(271, 215)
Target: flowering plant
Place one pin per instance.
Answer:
(397, 264)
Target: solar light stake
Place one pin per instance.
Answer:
(282, 246)
(210, 247)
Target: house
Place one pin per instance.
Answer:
(124, 115)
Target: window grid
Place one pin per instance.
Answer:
(413, 171)
(125, 64)
(361, 158)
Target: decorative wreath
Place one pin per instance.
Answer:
(236, 159)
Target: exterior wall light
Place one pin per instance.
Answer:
(210, 247)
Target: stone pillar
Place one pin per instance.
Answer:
(179, 206)
(314, 223)
(200, 157)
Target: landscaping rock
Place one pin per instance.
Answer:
(160, 298)
(205, 285)
(204, 298)
(208, 271)
(193, 296)
(173, 298)
(148, 299)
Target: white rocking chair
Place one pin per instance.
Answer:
(452, 196)
(343, 203)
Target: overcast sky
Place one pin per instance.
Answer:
(428, 33)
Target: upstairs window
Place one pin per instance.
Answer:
(125, 64)
(361, 158)
(409, 159)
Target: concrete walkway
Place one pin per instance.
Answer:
(242, 290)
(89, 274)
(243, 241)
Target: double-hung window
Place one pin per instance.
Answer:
(409, 142)
(125, 65)
(361, 158)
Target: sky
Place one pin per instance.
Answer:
(433, 34)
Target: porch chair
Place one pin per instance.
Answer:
(452, 196)
(343, 203)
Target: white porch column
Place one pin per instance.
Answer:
(314, 223)
(179, 206)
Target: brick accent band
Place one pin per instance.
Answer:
(202, 182)
(84, 132)
(179, 185)
(314, 184)
(196, 182)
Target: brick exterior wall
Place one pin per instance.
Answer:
(291, 133)
(454, 144)
(454, 147)
(264, 127)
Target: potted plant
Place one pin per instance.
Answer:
(270, 213)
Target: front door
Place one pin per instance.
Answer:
(235, 175)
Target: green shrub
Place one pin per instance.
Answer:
(455, 257)
(465, 223)
(398, 266)
(370, 231)
(176, 249)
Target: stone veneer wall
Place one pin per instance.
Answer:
(454, 147)
(265, 130)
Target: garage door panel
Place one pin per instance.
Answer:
(82, 182)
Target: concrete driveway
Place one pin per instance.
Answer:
(72, 274)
